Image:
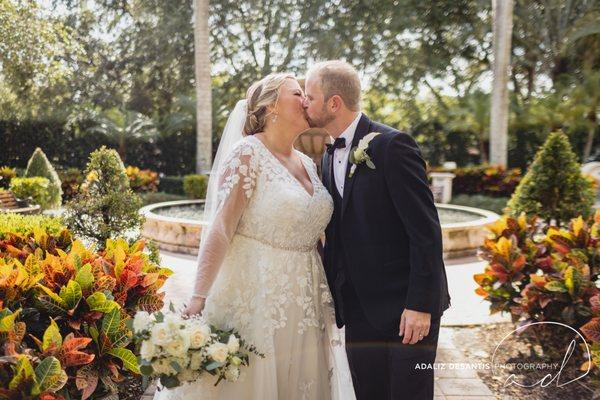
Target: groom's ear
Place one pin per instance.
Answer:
(336, 103)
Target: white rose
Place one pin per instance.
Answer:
(218, 352)
(233, 345)
(199, 335)
(148, 350)
(142, 321)
(160, 334)
(178, 346)
(232, 373)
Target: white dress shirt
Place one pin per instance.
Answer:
(340, 156)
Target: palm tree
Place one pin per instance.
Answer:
(203, 88)
(122, 126)
(503, 13)
(583, 107)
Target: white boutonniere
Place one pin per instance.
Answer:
(358, 154)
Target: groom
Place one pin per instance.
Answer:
(383, 250)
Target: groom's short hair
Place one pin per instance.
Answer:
(337, 77)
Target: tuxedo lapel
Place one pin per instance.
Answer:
(362, 129)
(326, 172)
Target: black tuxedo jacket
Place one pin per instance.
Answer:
(391, 235)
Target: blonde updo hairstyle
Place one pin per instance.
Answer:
(259, 97)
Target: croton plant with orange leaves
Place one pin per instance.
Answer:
(545, 273)
(64, 312)
(539, 272)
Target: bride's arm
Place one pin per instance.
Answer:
(236, 185)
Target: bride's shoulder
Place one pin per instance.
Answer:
(246, 146)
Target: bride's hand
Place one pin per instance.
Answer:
(195, 307)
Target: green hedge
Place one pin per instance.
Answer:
(170, 154)
(195, 186)
(172, 185)
(25, 224)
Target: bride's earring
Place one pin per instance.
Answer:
(274, 119)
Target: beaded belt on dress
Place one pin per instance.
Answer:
(277, 246)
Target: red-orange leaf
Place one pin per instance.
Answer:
(591, 330)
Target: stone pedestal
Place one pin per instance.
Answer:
(443, 180)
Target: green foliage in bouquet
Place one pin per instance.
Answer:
(554, 187)
(176, 350)
(105, 206)
(37, 189)
(39, 165)
(142, 180)
(195, 186)
(74, 306)
(541, 273)
(6, 174)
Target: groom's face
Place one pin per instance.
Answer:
(315, 106)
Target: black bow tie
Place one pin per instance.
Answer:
(338, 143)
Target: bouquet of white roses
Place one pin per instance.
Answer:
(177, 350)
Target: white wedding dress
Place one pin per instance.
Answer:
(270, 284)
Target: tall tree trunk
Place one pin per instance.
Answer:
(503, 11)
(590, 139)
(203, 88)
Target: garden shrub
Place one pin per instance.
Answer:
(105, 206)
(554, 187)
(36, 189)
(171, 184)
(6, 174)
(142, 180)
(538, 272)
(69, 304)
(39, 165)
(71, 179)
(25, 224)
(195, 186)
(487, 180)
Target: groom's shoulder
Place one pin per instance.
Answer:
(389, 133)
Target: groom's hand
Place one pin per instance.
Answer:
(414, 326)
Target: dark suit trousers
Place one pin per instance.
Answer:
(382, 367)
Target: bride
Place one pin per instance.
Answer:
(259, 270)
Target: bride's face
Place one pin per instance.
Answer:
(316, 108)
(289, 108)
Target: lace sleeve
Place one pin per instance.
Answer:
(237, 180)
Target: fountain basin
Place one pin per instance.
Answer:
(176, 226)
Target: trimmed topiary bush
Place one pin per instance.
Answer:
(105, 206)
(36, 189)
(39, 165)
(554, 188)
(195, 186)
